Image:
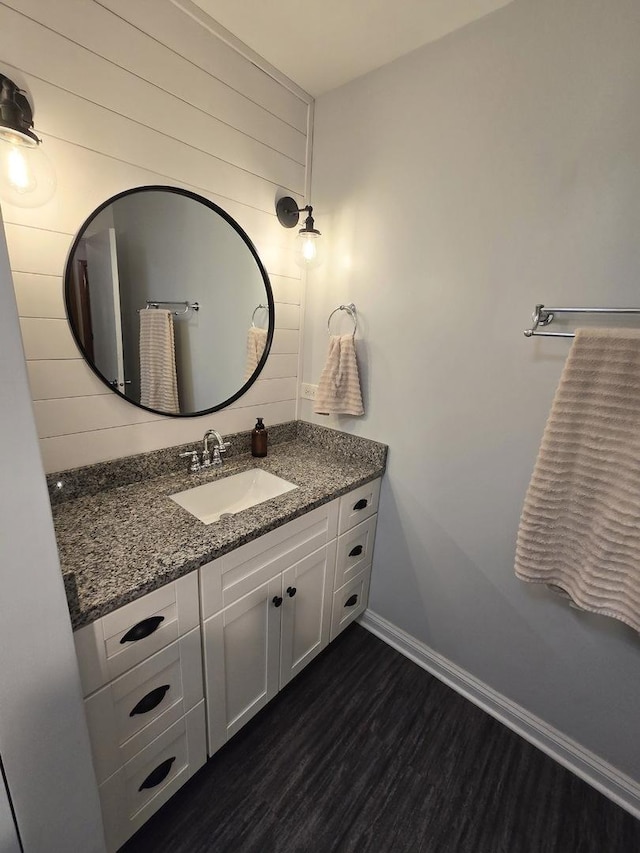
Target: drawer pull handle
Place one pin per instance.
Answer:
(355, 552)
(291, 591)
(142, 629)
(158, 775)
(361, 504)
(351, 601)
(150, 701)
(277, 600)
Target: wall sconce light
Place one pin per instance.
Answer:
(308, 252)
(27, 178)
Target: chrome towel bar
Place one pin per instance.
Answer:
(542, 316)
(188, 306)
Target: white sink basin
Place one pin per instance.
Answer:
(231, 494)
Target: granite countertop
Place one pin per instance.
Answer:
(118, 544)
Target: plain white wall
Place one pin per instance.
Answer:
(43, 733)
(457, 187)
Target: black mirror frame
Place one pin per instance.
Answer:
(247, 240)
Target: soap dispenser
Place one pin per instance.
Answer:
(259, 439)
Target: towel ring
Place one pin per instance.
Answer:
(351, 311)
(253, 316)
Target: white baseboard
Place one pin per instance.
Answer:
(611, 782)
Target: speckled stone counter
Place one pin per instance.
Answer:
(120, 543)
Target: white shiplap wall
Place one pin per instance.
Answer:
(128, 93)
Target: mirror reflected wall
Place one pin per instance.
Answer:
(166, 247)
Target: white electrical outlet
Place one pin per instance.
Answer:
(308, 391)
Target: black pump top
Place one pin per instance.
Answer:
(259, 424)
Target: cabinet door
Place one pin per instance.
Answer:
(242, 659)
(307, 590)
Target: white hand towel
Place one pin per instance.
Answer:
(158, 380)
(256, 342)
(339, 386)
(580, 525)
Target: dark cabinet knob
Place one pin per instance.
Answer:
(355, 552)
(361, 504)
(277, 600)
(150, 701)
(158, 775)
(291, 591)
(142, 629)
(351, 601)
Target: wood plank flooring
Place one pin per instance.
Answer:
(366, 752)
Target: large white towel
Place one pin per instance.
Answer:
(158, 380)
(580, 526)
(339, 386)
(256, 342)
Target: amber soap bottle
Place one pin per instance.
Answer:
(259, 439)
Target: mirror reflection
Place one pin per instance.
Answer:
(169, 302)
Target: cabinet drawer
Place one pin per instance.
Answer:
(358, 505)
(350, 601)
(137, 790)
(355, 550)
(116, 642)
(228, 579)
(128, 714)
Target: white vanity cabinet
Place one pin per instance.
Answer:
(251, 620)
(141, 670)
(269, 607)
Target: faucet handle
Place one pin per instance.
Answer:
(217, 459)
(224, 446)
(195, 463)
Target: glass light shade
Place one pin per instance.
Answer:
(308, 252)
(27, 177)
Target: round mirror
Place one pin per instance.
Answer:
(169, 301)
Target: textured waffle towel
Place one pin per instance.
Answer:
(256, 342)
(580, 526)
(339, 386)
(158, 380)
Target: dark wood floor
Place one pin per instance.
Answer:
(366, 752)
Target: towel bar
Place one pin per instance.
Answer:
(188, 306)
(542, 316)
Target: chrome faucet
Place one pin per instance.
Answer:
(208, 458)
(219, 447)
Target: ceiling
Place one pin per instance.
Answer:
(321, 45)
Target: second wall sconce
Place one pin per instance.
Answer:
(27, 178)
(308, 252)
